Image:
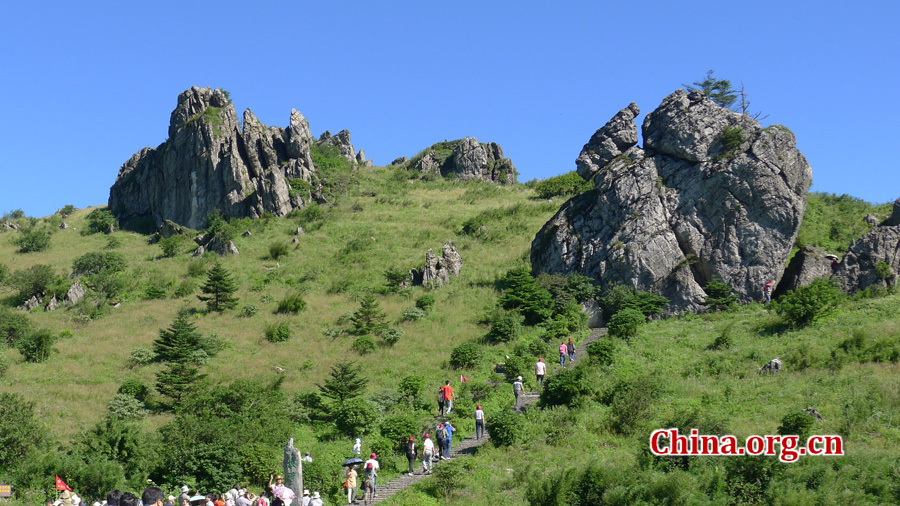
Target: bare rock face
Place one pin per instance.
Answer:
(807, 265)
(31, 303)
(710, 195)
(52, 305)
(467, 159)
(437, 271)
(400, 160)
(208, 164)
(341, 140)
(859, 268)
(75, 293)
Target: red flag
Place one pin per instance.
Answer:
(61, 485)
(463, 379)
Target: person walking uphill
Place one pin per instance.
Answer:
(518, 389)
(563, 352)
(447, 390)
(570, 346)
(411, 453)
(440, 435)
(427, 454)
(448, 441)
(374, 461)
(351, 485)
(540, 369)
(767, 291)
(479, 422)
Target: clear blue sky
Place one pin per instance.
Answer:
(87, 84)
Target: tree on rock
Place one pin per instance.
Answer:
(219, 289)
(717, 90)
(345, 382)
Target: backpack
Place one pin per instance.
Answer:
(442, 433)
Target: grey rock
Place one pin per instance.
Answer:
(592, 309)
(10, 226)
(452, 260)
(222, 248)
(807, 265)
(871, 220)
(672, 217)
(468, 160)
(428, 164)
(247, 233)
(168, 228)
(814, 413)
(775, 365)
(400, 160)
(208, 164)
(200, 251)
(300, 231)
(610, 141)
(858, 269)
(437, 270)
(361, 157)
(63, 226)
(296, 240)
(342, 141)
(52, 305)
(75, 293)
(31, 303)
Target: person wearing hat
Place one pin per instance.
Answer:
(518, 389)
(357, 448)
(307, 458)
(439, 435)
(371, 473)
(316, 500)
(373, 459)
(540, 369)
(427, 453)
(448, 441)
(184, 495)
(282, 494)
(170, 501)
(479, 422)
(304, 501)
(411, 453)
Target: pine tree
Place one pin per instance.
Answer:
(219, 289)
(717, 90)
(178, 380)
(369, 318)
(345, 382)
(179, 342)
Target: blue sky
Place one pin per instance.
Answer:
(87, 84)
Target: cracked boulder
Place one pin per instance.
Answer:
(874, 258)
(710, 195)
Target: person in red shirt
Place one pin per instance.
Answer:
(447, 392)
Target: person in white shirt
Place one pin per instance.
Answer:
(479, 422)
(427, 454)
(357, 447)
(540, 369)
(307, 458)
(518, 389)
(305, 500)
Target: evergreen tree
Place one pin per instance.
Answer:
(219, 289)
(717, 90)
(345, 382)
(369, 318)
(177, 380)
(521, 292)
(179, 342)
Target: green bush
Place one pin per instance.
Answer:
(620, 297)
(196, 268)
(425, 302)
(248, 311)
(4, 362)
(20, 430)
(292, 303)
(565, 388)
(466, 355)
(141, 355)
(173, 245)
(96, 263)
(809, 303)
(517, 365)
(569, 183)
(99, 221)
(394, 278)
(505, 428)
(278, 332)
(625, 323)
(134, 388)
(67, 210)
(392, 336)
(4, 273)
(630, 401)
(538, 348)
(505, 327)
(723, 340)
(412, 314)
(732, 138)
(113, 242)
(356, 416)
(13, 326)
(602, 351)
(33, 240)
(278, 249)
(36, 345)
(798, 423)
(522, 292)
(300, 187)
(411, 387)
(369, 318)
(186, 287)
(33, 281)
(883, 271)
(364, 345)
(398, 429)
(719, 295)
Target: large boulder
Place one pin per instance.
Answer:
(808, 264)
(437, 270)
(710, 195)
(208, 164)
(466, 159)
(860, 269)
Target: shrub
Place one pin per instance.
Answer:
(565, 388)
(113, 242)
(157, 285)
(4, 273)
(173, 245)
(99, 221)
(292, 303)
(36, 345)
(126, 407)
(517, 365)
(398, 429)
(602, 351)
(466, 355)
(33, 281)
(394, 278)
(719, 295)
(732, 138)
(134, 388)
(369, 318)
(364, 345)
(505, 428)
(630, 401)
(412, 314)
(569, 183)
(356, 416)
(33, 240)
(186, 287)
(67, 210)
(798, 423)
(392, 335)
(809, 303)
(505, 327)
(248, 311)
(425, 302)
(883, 271)
(196, 268)
(522, 292)
(620, 297)
(540, 348)
(300, 187)
(411, 387)
(4, 362)
(278, 332)
(278, 249)
(625, 323)
(141, 355)
(13, 326)
(723, 340)
(96, 263)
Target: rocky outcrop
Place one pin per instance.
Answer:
(466, 159)
(31, 303)
(710, 195)
(75, 293)
(208, 164)
(808, 264)
(341, 141)
(874, 258)
(437, 271)
(52, 305)
(400, 160)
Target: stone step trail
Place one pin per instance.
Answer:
(469, 445)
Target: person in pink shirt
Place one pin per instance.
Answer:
(563, 352)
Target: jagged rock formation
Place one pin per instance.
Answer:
(341, 140)
(859, 268)
(808, 264)
(208, 164)
(400, 160)
(75, 293)
(710, 195)
(437, 271)
(465, 159)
